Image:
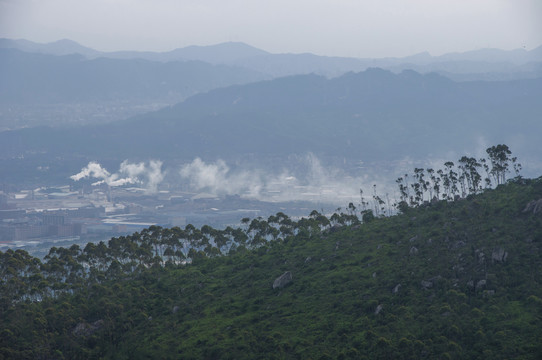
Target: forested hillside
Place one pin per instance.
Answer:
(458, 276)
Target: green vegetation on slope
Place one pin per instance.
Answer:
(449, 279)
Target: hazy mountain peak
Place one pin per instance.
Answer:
(220, 53)
(64, 42)
(66, 46)
(59, 47)
(516, 56)
(423, 56)
(229, 45)
(20, 44)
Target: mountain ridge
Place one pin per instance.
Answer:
(241, 54)
(33, 77)
(376, 115)
(61, 47)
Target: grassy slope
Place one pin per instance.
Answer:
(228, 309)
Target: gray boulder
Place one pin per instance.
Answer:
(499, 255)
(488, 293)
(84, 329)
(534, 206)
(480, 284)
(283, 280)
(459, 244)
(481, 256)
(426, 284)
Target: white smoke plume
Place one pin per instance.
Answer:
(154, 175)
(94, 170)
(308, 180)
(316, 184)
(218, 179)
(150, 176)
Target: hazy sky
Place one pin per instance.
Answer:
(356, 28)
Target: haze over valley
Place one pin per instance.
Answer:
(270, 180)
(207, 123)
(64, 83)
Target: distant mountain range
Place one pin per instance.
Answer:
(368, 115)
(373, 115)
(492, 64)
(64, 83)
(39, 88)
(36, 78)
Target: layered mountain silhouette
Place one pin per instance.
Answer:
(64, 83)
(373, 114)
(489, 64)
(34, 78)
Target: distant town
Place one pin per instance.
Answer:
(37, 219)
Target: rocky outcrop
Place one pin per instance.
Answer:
(488, 293)
(534, 206)
(84, 329)
(396, 288)
(283, 280)
(459, 244)
(499, 255)
(378, 309)
(481, 256)
(428, 284)
(481, 284)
